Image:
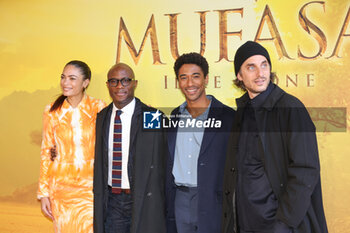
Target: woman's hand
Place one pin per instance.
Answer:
(46, 207)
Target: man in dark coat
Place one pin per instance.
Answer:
(129, 176)
(272, 174)
(196, 154)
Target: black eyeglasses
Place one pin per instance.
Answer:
(113, 82)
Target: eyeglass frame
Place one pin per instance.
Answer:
(119, 80)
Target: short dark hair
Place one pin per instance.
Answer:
(191, 58)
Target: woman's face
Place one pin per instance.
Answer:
(72, 81)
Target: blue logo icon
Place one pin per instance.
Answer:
(151, 120)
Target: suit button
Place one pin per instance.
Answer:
(151, 167)
(232, 169)
(202, 164)
(227, 192)
(149, 194)
(281, 185)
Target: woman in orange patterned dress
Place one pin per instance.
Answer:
(65, 183)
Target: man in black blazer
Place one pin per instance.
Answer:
(129, 191)
(196, 154)
(272, 174)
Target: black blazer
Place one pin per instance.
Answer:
(211, 163)
(146, 168)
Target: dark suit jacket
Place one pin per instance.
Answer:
(210, 168)
(146, 168)
(290, 156)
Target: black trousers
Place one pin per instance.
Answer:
(118, 218)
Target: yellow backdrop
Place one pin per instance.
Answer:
(308, 42)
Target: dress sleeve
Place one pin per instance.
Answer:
(47, 143)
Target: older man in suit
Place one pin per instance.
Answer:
(129, 163)
(196, 154)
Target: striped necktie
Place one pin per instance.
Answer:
(117, 154)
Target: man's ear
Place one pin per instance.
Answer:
(239, 76)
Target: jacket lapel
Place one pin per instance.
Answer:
(214, 112)
(105, 124)
(241, 103)
(135, 122)
(172, 133)
(103, 120)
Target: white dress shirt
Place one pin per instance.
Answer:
(125, 118)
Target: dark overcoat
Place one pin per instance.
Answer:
(291, 161)
(146, 170)
(210, 170)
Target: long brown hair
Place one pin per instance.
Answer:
(85, 70)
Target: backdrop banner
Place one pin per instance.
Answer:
(308, 41)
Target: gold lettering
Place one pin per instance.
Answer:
(315, 32)
(275, 35)
(151, 30)
(276, 80)
(223, 33)
(217, 82)
(173, 35)
(295, 82)
(310, 80)
(202, 15)
(165, 81)
(341, 35)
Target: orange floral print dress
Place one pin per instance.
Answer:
(68, 179)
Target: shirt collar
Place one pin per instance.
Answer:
(66, 105)
(204, 115)
(128, 109)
